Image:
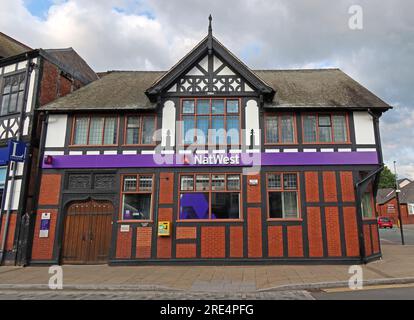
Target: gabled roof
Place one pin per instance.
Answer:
(406, 195)
(11, 47)
(115, 91)
(209, 45)
(319, 88)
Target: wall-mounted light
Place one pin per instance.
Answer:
(48, 160)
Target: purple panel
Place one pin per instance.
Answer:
(194, 206)
(245, 160)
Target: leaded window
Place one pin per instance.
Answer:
(95, 130)
(13, 93)
(283, 195)
(210, 121)
(215, 196)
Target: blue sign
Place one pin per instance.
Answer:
(17, 151)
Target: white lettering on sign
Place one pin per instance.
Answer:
(216, 159)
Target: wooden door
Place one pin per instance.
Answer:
(87, 233)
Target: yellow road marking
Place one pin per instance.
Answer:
(372, 287)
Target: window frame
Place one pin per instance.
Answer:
(372, 202)
(181, 134)
(210, 191)
(122, 193)
(410, 205)
(140, 116)
(279, 128)
(331, 115)
(297, 190)
(90, 116)
(3, 78)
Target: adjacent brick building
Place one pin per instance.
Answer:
(387, 203)
(29, 78)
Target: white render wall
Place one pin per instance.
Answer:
(56, 131)
(168, 122)
(364, 128)
(252, 121)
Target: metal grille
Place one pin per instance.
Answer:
(130, 183)
(145, 183)
(274, 181)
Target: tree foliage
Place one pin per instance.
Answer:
(387, 179)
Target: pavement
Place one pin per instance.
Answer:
(397, 266)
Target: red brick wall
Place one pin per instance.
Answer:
(375, 240)
(254, 232)
(186, 233)
(10, 231)
(367, 240)
(49, 83)
(50, 189)
(253, 192)
(124, 244)
(143, 242)
(65, 86)
(43, 247)
(166, 188)
(275, 241)
(347, 186)
(53, 85)
(312, 186)
(351, 232)
(236, 241)
(295, 241)
(315, 232)
(213, 242)
(164, 243)
(333, 232)
(186, 250)
(329, 186)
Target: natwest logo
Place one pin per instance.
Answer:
(220, 159)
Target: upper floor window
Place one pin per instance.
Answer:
(280, 128)
(325, 128)
(201, 115)
(13, 94)
(95, 130)
(140, 129)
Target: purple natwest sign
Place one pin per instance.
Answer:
(211, 160)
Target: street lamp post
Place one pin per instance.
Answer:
(397, 197)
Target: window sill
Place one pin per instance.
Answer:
(92, 145)
(211, 220)
(284, 219)
(369, 219)
(326, 143)
(134, 221)
(138, 145)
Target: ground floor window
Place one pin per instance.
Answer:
(367, 205)
(283, 195)
(137, 197)
(410, 208)
(209, 196)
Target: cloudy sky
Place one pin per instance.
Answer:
(283, 34)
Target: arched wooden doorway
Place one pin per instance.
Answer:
(87, 233)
